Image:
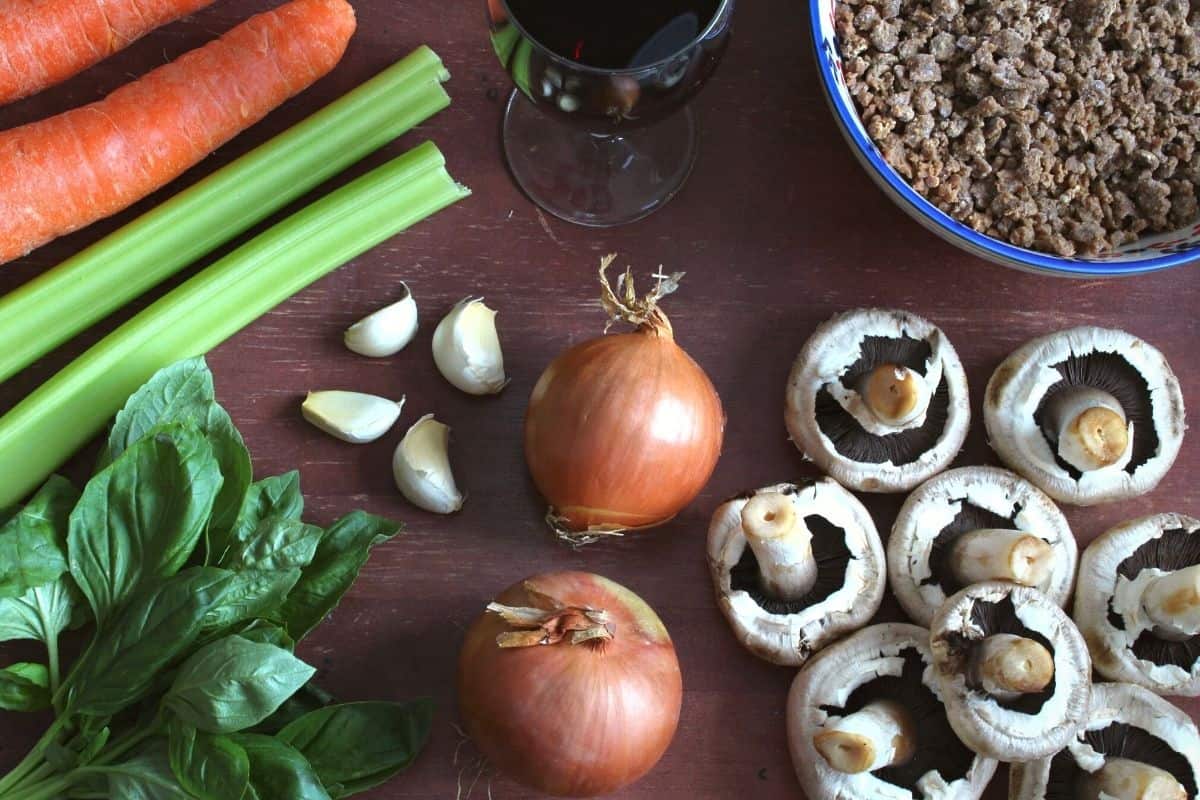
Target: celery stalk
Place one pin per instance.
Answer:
(47, 311)
(48, 426)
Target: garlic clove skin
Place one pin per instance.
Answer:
(387, 331)
(421, 467)
(351, 416)
(466, 348)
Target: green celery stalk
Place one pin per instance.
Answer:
(48, 426)
(49, 310)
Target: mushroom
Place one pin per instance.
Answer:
(795, 567)
(1090, 415)
(977, 524)
(1138, 603)
(865, 721)
(1013, 670)
(878, 400)
(1134, 746)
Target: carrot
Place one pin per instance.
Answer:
(66, 172)
(44, 42)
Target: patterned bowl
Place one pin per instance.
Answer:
(1147, 254)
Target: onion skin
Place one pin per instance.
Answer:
(572, 720)
(622, 431)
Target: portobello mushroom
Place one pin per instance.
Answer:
(865, 721)
(794, 567)
(977, 524)
(1138, 603)
(878, 400)
(1013, 670)
(1134, 746)
(1090, 415)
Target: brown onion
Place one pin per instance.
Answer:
(623, 431)
(570, 685)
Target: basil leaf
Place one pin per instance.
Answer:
(160, 623)
(183, 393)
(32, 540)
(340, 555)
(234, 683)
(141, 517)
(147, 777)
(250, 594)
(276, 543)
(40, 614)
(277, 496)
(25, 687)
(278, 771)
(357, 746)
(208, 767)
(264, 632)
(310, 698)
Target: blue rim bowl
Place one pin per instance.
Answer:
(1148, 254)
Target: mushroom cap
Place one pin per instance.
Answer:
(1020, 730)
(792, 632)
(1119, 703)
(948, 505)
(1022, 382)
(816, 379)
(1105, 596)
(829, 680)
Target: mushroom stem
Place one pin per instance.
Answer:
(782, 543)
(996, 554)
(1090, 427)
(894, 394)
(1006, 666)
(1172, 602)
(1123, 779)
(878, 735)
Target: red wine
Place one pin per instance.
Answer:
(614, 34)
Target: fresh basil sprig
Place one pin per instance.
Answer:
(198, 583)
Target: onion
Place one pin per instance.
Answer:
(623, 431)
(570, 685)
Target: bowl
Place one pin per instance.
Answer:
(1147, 254)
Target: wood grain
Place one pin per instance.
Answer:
(778, 229)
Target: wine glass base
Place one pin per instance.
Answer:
(598, 180)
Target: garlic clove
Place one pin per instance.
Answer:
(351, 416)
(466, 348)
(387, 331)
(421, 467)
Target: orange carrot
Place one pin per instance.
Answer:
(66, 172)
(43, 42)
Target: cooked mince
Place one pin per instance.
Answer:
(1066, 127)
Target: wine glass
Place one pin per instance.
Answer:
(598, 131)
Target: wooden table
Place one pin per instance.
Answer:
(778, 229)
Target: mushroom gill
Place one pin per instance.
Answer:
(1011, 663)
(830, 555)
(1127, 745)
(888, 376)
(933, 744)
(946, 555)
(1084, 417)
(1177, 553)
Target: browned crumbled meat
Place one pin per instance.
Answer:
(1069, 126)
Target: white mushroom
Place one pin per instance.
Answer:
(878, 399)
(1013, 670)
(865, 721)
(1090, 415)
(1138, 603)
(1134, 746)
(795, 567)
(976, 524)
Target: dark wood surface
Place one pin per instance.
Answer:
(778, 229)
